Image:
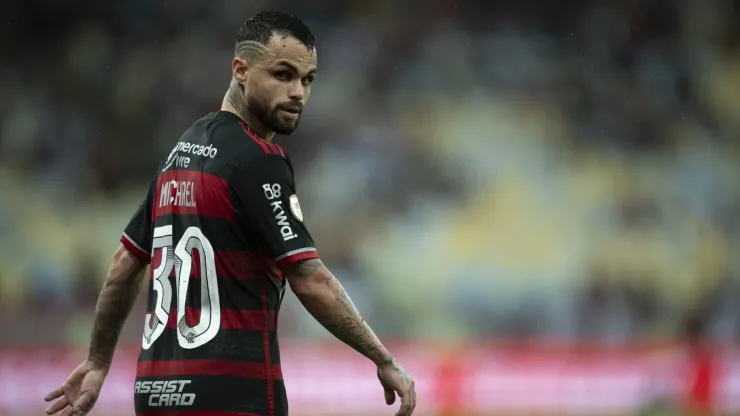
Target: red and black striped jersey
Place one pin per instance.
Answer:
(220, 218)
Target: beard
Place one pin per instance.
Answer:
(270, 116)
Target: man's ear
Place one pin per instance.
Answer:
(239, 70)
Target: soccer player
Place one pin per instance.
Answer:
(222, 231)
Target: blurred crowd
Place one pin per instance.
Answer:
(468, 168)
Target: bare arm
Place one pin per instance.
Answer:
(114, 305)
(324, 297)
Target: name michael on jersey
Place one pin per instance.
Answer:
(182, 161)
(179, 194)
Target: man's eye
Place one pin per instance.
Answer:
(282, 76)
(307, 81)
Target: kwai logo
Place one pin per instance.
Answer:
(273, 192)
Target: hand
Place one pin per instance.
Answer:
(78, 394)
(395, 380)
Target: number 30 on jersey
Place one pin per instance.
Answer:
(181, 259)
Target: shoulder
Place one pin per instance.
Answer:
(255, 166)
(241, 146)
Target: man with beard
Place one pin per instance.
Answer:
(223, 231)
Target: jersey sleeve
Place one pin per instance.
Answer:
(137, 236)
(266, 195)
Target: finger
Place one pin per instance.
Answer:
(413, 398)
(59, 405)
(69, 411)
(388, 392)
(390, 396)
(405, 404)
(54, 394)
(85, 403)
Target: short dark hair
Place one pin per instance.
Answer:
(261, 27)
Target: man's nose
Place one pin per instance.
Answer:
(297, 91)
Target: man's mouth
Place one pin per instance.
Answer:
(291, 110)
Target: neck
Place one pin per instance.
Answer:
(234, 103)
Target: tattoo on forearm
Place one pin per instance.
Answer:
(337, 313)
(352, 329)
(115, 303)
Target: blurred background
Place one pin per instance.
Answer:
(536, 203)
